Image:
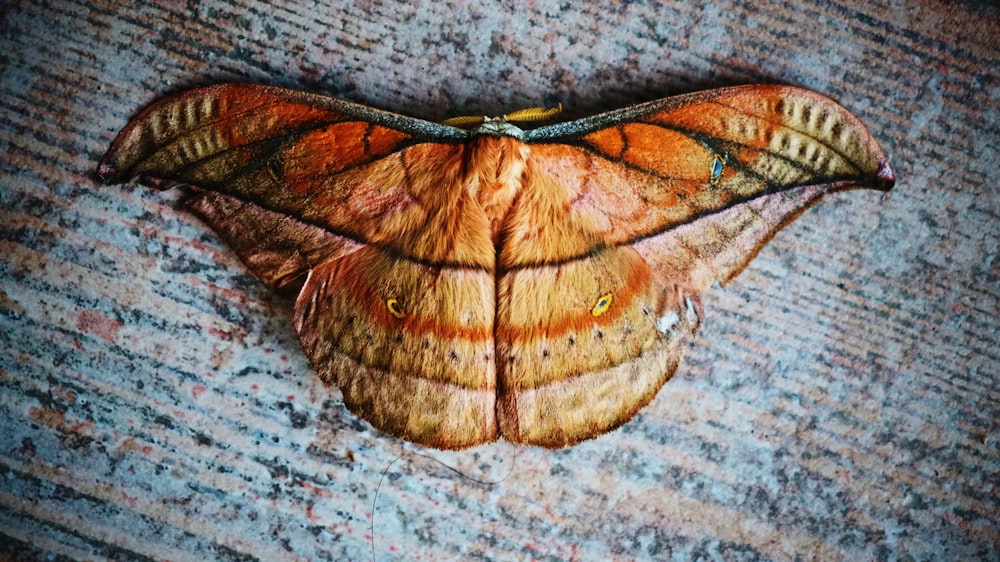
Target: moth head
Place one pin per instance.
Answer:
(498, 127)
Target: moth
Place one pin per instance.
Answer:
(465, 285)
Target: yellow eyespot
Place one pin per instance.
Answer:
(602, 305)
(394, 308)
(718, 163)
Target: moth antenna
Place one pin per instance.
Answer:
(464, 121)
(526, 115)
(532, 114)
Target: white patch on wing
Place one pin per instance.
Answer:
(667, 321)
(690, 313)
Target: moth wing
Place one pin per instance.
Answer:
(698, 183)
(645, 208)
(359, 208)
(288, 154)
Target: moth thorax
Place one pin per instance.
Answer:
(496, 174)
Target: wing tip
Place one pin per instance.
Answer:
(107, 171)
(885, 178)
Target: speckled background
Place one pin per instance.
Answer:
(841, 401)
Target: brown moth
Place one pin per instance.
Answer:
(460, 286)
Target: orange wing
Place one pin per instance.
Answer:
(462, 286)
(367, 212)
(637, 212)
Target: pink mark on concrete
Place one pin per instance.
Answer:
(198, 390)
(93, 322)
